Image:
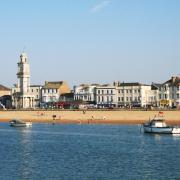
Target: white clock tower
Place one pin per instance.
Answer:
(24, 98)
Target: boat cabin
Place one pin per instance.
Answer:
(158, 123)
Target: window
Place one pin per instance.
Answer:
(102, 99)
(122, 99)
(99, 99)
(102, 91)
(37, 97)
(111, 98)
(37, 90)
(31, 90)
(107, 98)
(177, 95)
(165, 96)
(98, 91)
(107, 91)
(127, 99)
(119, 99)
(111, 91)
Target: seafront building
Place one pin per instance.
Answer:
(134, 94)
(4, 91)
(5, 97)
(106, 96)
(21, 95)
(169, 93)
(35, 90)
(52, 90)
(85, 92)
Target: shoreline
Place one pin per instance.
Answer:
(89, 117)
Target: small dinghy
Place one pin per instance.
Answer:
(19, 123)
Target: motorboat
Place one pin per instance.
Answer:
(19, 123)
(158, 125)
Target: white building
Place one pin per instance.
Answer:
(85, 92)
(134, 94)
(169, 93)
(35, 90)
(106, 96)
(22, 98)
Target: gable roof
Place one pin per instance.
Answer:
(155, 86)
(53, 84)
(3, 88)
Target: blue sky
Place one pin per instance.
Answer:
(90, 41)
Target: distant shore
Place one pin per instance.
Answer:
(89, 117)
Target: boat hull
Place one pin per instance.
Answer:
(160, 130)
(20, 124)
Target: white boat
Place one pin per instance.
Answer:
(19, 123)
(158, 125)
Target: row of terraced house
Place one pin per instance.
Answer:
(133, 94)
(118, 94)
(58, 94)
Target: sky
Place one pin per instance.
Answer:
(90, 41)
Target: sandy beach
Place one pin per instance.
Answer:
(99, 117)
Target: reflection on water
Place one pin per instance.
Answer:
(25, 149)
(157, 137)
(87, 152)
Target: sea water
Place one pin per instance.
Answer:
(86, 152)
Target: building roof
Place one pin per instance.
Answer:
(155, 86)
(174, 81)
(132, 84)
(88, 85)
(3, 88)
(35, 85)
(53, 84)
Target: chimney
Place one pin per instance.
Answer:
(173, 79)
(115, 83)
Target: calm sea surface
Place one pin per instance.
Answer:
(90, 152)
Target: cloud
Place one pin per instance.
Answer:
(100, 6)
